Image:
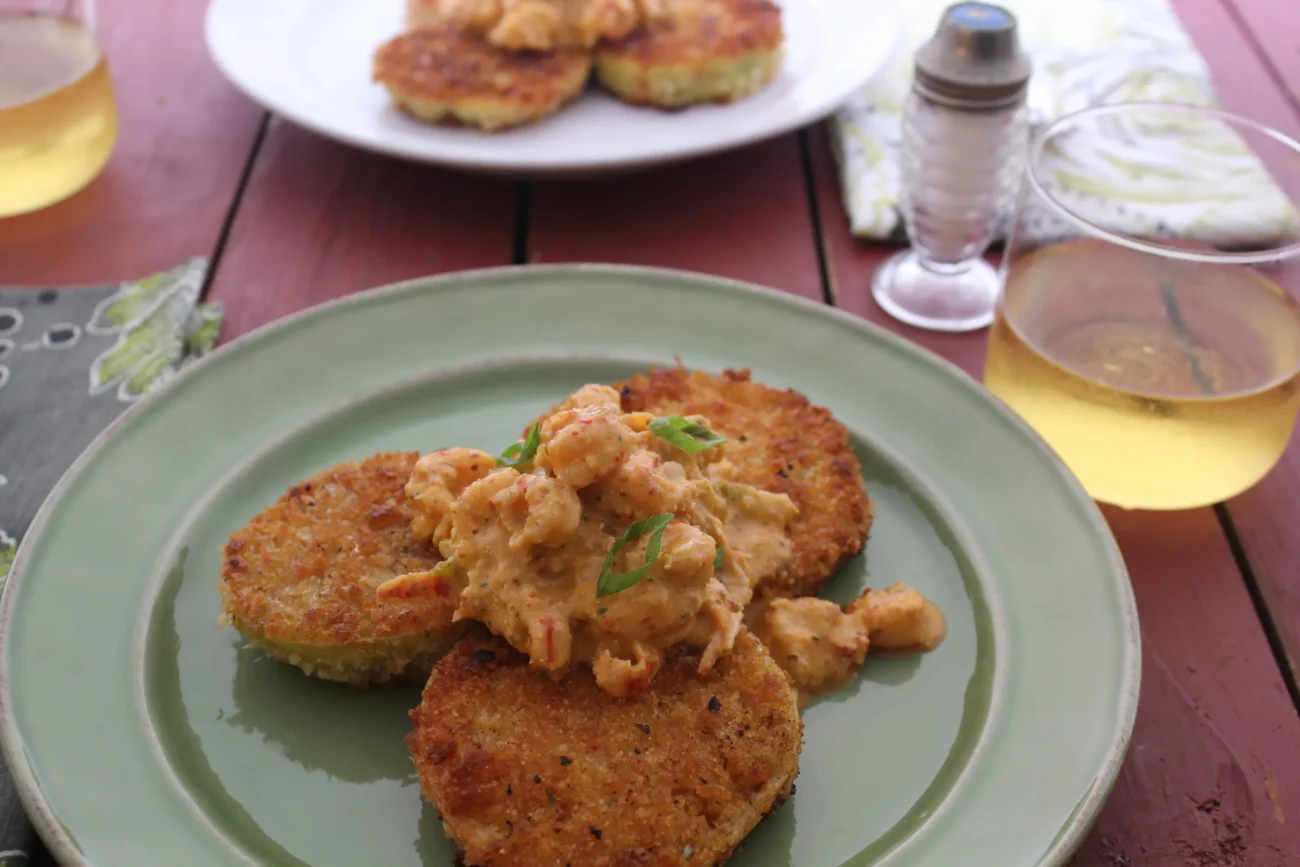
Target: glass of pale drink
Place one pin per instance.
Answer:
(58, 116)
(1145, 329)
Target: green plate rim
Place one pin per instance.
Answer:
(60, 839)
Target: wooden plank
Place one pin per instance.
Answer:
(1213, 753)
(185, 136)
(1274, 25)
(1245, 81)
(1212, 769)
(743, 215)
(320, 220)
(1266, 518)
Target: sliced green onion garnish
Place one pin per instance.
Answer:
(522, 452)
(608, 583)
(685, 434)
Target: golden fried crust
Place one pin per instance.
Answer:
(696, 32)
(305, 570)
(526, 771)
(780, 442)
(441, 70)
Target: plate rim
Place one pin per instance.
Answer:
(60, 840)
(888, 15)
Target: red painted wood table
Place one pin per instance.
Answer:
(290, 220)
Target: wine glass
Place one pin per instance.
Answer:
(1143, 329)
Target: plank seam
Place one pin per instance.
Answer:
(1290, 676)
(523, 221)
(814, 210)
(1271, 631)
(1274, 74)
(227, 224)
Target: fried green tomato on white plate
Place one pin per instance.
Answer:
(445, 75)
(700, 51)
(299, 580)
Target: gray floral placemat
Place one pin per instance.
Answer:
(70, 361)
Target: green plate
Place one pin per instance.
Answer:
(141, 732)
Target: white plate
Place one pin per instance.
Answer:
(309, 61)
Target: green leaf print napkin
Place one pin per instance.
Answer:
(70, 361)
(1085, 53)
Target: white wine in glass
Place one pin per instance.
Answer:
(1139, 331)
(58, 114)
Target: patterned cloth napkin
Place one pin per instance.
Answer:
(1085, 53)
(70, 361)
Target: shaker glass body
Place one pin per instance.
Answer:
(959, 170)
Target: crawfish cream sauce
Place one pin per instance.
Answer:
(821, 644)
(605, 543)
(539, 25)
(602, 539)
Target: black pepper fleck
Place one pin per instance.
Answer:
(715, 705)
(637, 751)
(645, 729)
(595, 832)
(565, 760)
(537, 778)
(510, 789)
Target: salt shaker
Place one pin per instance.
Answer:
(963, 141)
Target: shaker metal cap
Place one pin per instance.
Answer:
(974, 59)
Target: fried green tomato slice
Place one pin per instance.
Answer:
(444, 75)
(528, 771)
(700, 51)
(780, 442)
(299, 580)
